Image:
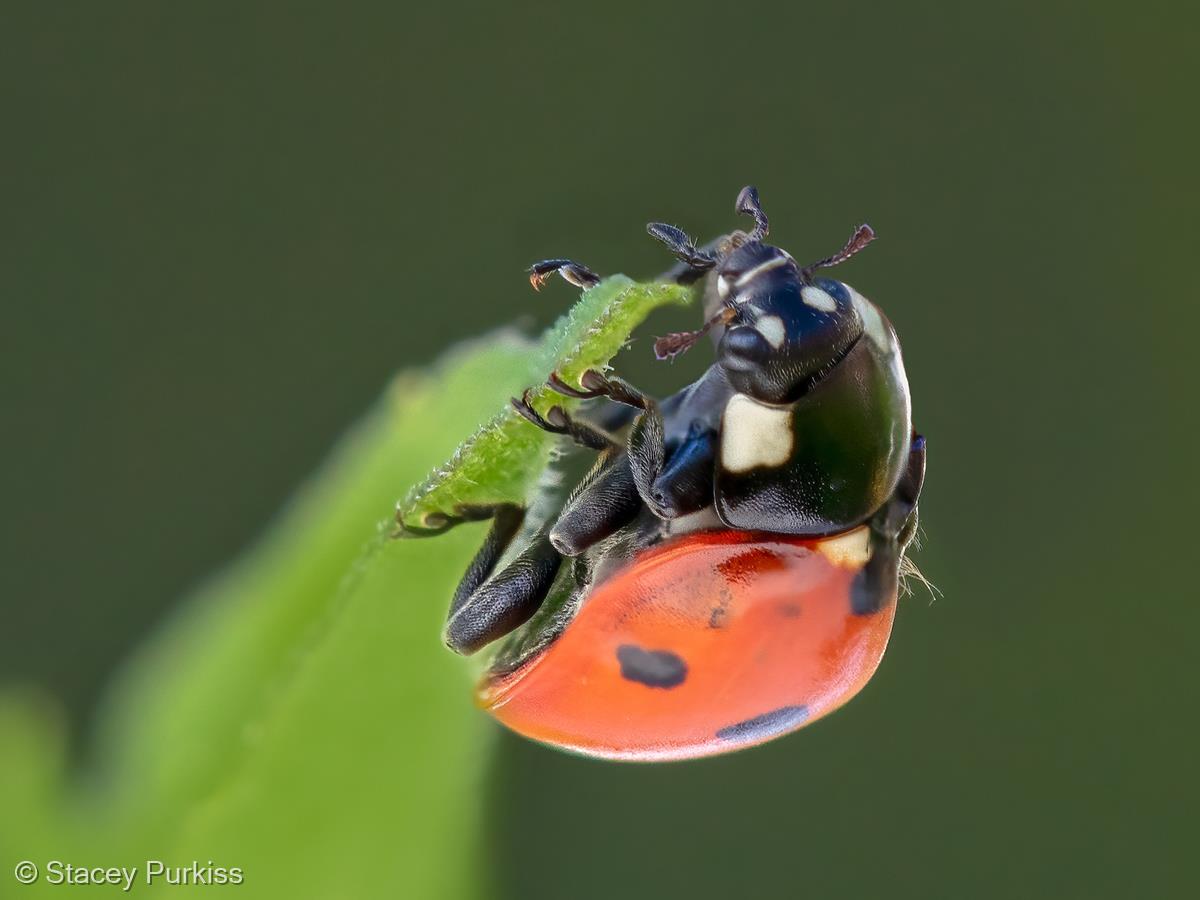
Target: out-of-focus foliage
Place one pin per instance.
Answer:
(300, 707)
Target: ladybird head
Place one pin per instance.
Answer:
(783, 328)
(783, 331)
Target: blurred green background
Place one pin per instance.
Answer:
(226, 225)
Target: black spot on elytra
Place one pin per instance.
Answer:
(767, 725)
(720, 613)
(653, 668)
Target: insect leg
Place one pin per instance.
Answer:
(487, 607)
(670, 484)
(892, 529)
(506, 522)
(556, 421)
(682, 246)
(682, 273)
(606, 500)
(647, 448)
(575, 273)
(597, 384)
(437, 523)
(685, 482)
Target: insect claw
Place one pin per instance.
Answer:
(559, 386)
(595, 382)
(527, 411)
(572, 272)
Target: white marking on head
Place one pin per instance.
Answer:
(750, 274)
(755, 434)
(818, 299)
(851, 549)
(722, 287)
(771, 328)
(877, 330)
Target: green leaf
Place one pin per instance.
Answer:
(298, 718)
(501, 462)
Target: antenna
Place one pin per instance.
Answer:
(747, 204)
(862, 236)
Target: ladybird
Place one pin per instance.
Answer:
(727, 570)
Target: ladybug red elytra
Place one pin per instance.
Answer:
(727, 571)
(709, 642)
